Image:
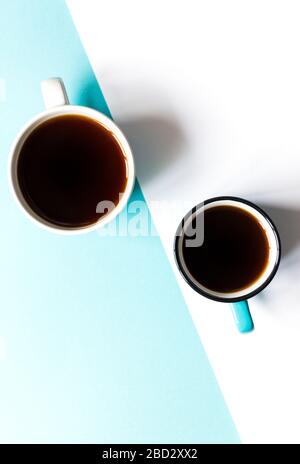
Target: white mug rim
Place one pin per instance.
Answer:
(27, 129)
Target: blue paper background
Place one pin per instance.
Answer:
(99, 343)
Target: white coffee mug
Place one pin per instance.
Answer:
(57, 103)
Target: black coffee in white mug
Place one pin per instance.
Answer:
(71, 169)
(67, 165)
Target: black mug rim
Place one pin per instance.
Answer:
(247, 295)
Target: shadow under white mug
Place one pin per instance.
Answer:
(238, 299)
(57, 104)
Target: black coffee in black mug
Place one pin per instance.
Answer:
(237, 256)
(235, 251)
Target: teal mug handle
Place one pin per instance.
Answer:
(242, 316)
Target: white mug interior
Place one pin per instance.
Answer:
(273, 250)
(53, 113)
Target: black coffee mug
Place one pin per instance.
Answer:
(228, 249)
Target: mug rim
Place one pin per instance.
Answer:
(26, 130)
(202, 292)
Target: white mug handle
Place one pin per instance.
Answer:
(54, 92)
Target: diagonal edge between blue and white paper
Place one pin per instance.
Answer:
(97, 343)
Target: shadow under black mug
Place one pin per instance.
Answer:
(192, 228)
